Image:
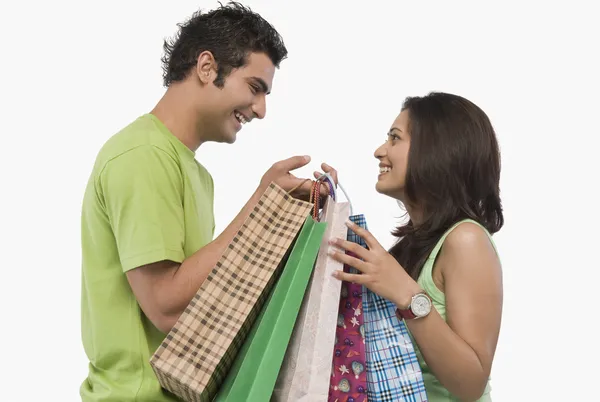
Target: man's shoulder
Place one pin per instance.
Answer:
(141, 132)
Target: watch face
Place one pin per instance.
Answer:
(421, 305)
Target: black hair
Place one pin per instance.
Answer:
(230, 33)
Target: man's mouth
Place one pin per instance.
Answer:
(240, 117)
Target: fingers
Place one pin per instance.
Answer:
(324, 190)
(346, 259)
(352, 247)
(287, 165)
(292, 163)
(328, 169)
(352, 278)
(303, 190)
(372, 243)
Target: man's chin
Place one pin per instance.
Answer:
(231, 139)
(230, 136)
(227, 138)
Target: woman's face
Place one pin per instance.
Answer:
(393, 159)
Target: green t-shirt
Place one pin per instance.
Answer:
(147, 200)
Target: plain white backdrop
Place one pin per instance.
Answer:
(74, 73)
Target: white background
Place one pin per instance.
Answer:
(74, 73)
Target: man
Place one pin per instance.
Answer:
(147, 220)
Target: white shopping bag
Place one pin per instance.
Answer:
(306, 369)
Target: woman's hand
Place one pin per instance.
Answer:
(380, 272)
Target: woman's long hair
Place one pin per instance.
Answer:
(453, 173)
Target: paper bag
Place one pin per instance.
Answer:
(306, 369)
(198, 352)
(255, 370)
(348, 378)
(393, 371)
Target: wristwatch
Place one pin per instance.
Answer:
(420, 306)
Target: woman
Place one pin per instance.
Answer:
(441, 161)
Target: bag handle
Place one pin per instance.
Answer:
(333, 190)
(315, 198)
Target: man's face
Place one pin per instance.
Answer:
(241, 99)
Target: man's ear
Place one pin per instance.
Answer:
(206, 67)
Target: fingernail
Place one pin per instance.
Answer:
(349, 223)
(307, 158)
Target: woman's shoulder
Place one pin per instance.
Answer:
(467, 234)
(467, 244)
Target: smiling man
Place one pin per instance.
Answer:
(147, 219)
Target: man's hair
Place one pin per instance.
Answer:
(230, 33)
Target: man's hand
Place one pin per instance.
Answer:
(280, 174)
(331, 171)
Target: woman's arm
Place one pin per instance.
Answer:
(460, 352)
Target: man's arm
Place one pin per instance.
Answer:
(143, 192)
(165, 288)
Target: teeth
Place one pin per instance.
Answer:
(385, 169)
(240, 118)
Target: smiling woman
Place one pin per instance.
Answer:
(441, 160)
(391, 180)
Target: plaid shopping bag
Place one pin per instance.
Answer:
(254, 373)
(393, 371)
(197, 354)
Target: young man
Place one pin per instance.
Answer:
(147, 220)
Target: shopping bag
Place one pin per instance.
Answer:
(254, 373)
(393, 370)
(306, 368)
(198, 352)
(348, 380)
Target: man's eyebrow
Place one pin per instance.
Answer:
(263, 85)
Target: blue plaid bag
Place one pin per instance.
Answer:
(393, 371)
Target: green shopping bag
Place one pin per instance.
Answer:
(254, 373)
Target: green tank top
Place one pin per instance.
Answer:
(435, 390)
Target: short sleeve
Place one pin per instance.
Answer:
(142, 192)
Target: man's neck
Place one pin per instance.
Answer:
(179, 115)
